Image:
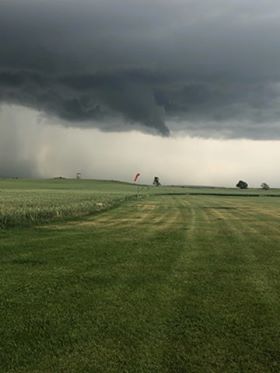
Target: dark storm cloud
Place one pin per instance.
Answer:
(207, 67)
(86, 98)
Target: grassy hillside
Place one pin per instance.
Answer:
(66, 184)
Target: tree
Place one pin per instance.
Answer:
(242, 184)
(265, 186)
(156, 181)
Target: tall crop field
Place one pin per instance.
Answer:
(25, 202)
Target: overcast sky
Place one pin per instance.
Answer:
(188, 90)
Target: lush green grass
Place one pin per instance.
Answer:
(166, 283)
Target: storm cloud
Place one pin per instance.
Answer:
(208, 68)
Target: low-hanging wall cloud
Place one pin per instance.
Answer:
(207, 68)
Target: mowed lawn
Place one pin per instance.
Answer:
(163, 283)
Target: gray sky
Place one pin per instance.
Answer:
(170, 72)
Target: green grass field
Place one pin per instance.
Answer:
(169, 281)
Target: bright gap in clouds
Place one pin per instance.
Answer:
(35, 146)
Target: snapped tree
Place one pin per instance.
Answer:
(265, 186)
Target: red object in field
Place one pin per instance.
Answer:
(136, 177)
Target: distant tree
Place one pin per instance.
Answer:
(265, 186)
(156, 181)
(242, 184)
